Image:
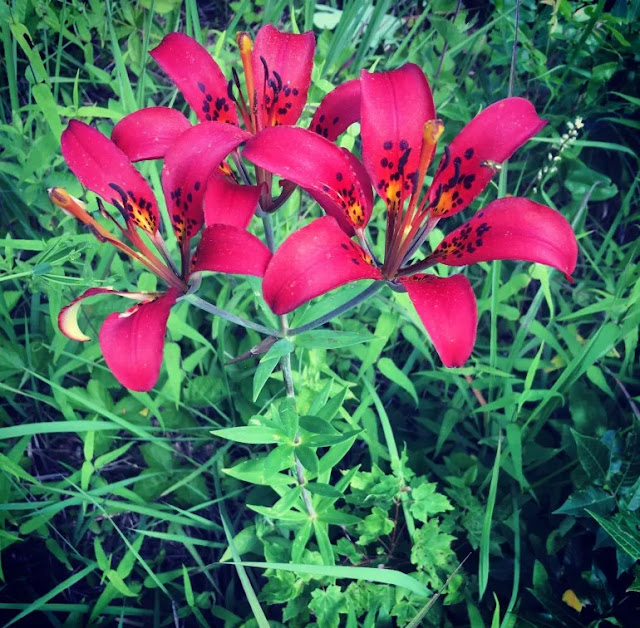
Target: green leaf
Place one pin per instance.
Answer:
(327, 604)
(624, 529)
(389, 369)
(251, 435)
(316, 425)
(594, 456)
(268, 363)
(327, 440)
(373, 526)
(327, 339)
(425, 502)
(384, 576)
(326, 490)
(308, 458)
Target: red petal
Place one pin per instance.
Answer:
(148, 133)
(68, 316)
(512, 228)
(197, 76)
(312, 261)
(395, 107)
(492, 136)
(229, 203)
(100, 165)
(132, 342)
(317, 165)
(231, 249)
(339, 109)
(291, 58)
(447, 308)
(188, 164)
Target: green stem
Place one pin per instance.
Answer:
(232, 318)
(285, 367)
(345, 307)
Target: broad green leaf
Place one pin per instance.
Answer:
(594, 456)
(425, 501)
(624, 529)
(308, 458)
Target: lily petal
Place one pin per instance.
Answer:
(132, 342)
(289, 60)
(470, 161)
(447, 308)
(512, 228)
(312, 261)
(395, 107)
(231, 249)
(228, 203)
(339, 109)
(68, 316)
(103, 168)
(317, 165)
(188, 164)
(148, 133)
(197, 76)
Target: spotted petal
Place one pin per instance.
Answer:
(339, 109)
(132, 342)
(317, 165)
(447, 308)
(148, 133)
(512, 228)
(470, 160)
(103, 168)
(312, 261)
(229, 203)
(197, 76)
(288, 59)
(189, 163)
(231, 249)
(395, 107)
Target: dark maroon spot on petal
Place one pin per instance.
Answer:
(388, 145)
(295, 91)
(404, 144)
(196, 186)
(384, 162)
(339, 176)
(201, 87)
(468, 154)
(336, 120)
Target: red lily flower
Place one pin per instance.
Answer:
(277, 71)
(399, 136)
(132, 341)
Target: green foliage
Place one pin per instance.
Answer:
(216, 499)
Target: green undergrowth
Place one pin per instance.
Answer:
(502, 493)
